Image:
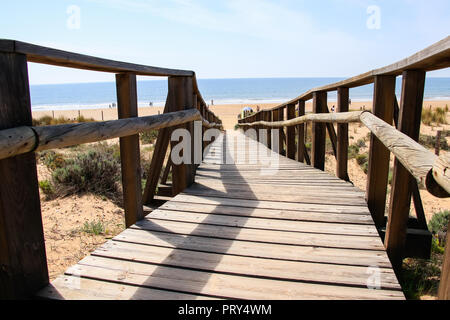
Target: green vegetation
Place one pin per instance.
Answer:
(363, 161)
(95, 228)
(419, 276)
(46, 188)
(436, 116)
(353, 151)
(430, 141)
(47, 120)
(149, 137)
(95, 169)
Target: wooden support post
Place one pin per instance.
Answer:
(268, 118)
(129, 150)
(23, 262)
(290, 132)
(378, 168)
(409, 123)
(282, 136)
(274, 145)
(444, 284)
(342, 136)
(180, 97)
(318, 132)
(301, 133)
(437, 146)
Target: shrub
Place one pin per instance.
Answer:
(430, 141)
(46, 188)
(95, 170)
(149, 136)
(95, 228)
(361, 143)
(438, 225)
(52, 159)
(47, 120)
(437, 116)
(362, 158)
(353, 151)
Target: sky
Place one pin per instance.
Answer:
(229, 39)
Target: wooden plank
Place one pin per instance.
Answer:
(257, 249)
(290, 132)
(318, 132)
(256, 267)
(262, 223)
(342, 136)
(409, 123)
(62, 288)
(280, 214)
(130, 154)
(378, 167)
(210, 284)
(22, 249)
(268, 236)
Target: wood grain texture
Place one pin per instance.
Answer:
(22, 249)
(318, 132)
(378, 166)
(342, 135)
(290, 132)
(444, 284)
(130, 155)
(223, 238)
(413, 85)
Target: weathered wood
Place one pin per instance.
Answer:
(444, 284)
(342, 135)
(268, 118)
(439, 179)
(290, 132)
(19, 140)
(409, 123)
(130, 154)
(318, 132)
(378, 167)
(180, 98)
(45, 55)
(301, 149)
(344, 117)
(23, 260)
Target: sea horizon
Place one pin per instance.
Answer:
(226, 91)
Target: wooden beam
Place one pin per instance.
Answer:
(290, 132)
(301, 133)
(23, 262)
(180, 97)
(378, 168)
(342, 136)
(318, 132)
(444, 284)
(129, 150)
(409, 123)
(268, 118)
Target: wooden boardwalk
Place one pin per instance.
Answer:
(273, 230)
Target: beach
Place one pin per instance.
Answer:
(226, 112)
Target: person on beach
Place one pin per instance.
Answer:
(332, 109)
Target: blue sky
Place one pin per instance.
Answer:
(229, 39)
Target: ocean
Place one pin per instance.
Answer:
(221, 91)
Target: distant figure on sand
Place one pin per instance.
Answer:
(212, 102)
(350, 101)
(257, 108)
(332, 109)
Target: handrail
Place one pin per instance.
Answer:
(24, 139)
(432, 58)
(424, 165)
(62, 58)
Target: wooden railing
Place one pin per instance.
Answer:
(23, 263)
(413, 163)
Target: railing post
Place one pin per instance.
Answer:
(268, 118)
(129, 150)
(342, 135)
(378, 168)
(180, 97)
(290, 132)
(23, 262)
(301, 133)
(444, 283)
(281, 136)
(409, 123)
(318, 132)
